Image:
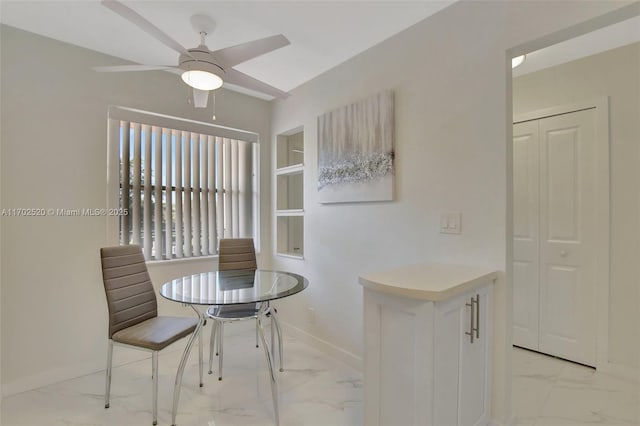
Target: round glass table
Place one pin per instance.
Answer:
(233, 287)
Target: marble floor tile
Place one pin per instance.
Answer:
(314, 390)
(529, 397)
(551, 392)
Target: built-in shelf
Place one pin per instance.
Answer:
(290, 149)
(290, 212)
(290, 238)
(289, 191)
(296, 168)
(289, 180)
(291, 255)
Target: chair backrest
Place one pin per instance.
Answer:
(237, 253)
(130, 295)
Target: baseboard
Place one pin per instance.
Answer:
(48, 377)
(341, 354)
(512, 422)
(122, 356)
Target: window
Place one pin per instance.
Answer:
(184, 186)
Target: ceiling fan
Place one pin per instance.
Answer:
(202, 69)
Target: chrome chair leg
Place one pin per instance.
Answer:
(200, 364)
(183, 362)
(108, 378)
(274, 383)
(212, 344)
(273, 335)
(274, 321)
(257, 332)
(154, 367)
(220, 337)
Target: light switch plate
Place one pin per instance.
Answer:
(451, 223)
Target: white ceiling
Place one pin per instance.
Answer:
(323, 34)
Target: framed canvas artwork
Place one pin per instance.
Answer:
(356, 151)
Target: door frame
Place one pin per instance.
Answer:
(603, 207)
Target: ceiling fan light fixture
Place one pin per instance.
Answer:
(201, 80)
(517, 61)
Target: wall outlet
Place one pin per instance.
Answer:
(311, 315)
(451, 223)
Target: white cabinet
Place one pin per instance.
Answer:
(427, 357)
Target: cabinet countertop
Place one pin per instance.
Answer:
(428, 281)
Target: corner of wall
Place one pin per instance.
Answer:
(1, 269)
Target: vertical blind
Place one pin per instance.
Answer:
(184, 190)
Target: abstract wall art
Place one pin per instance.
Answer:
(356, 151)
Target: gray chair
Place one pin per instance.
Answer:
(134, 320)
(236, 254)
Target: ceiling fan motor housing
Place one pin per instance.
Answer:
(201, 59)
(201, 69)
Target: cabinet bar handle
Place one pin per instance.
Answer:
(471, 317)
(477, 316)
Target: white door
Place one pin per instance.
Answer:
(566, 254)
(526, 229)
(568, 236)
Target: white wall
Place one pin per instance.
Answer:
(615, 74)
(451, 78)
(53, 143)
(450, 75)
(1, 239)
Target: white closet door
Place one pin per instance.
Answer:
(567, 236)
(526, 229)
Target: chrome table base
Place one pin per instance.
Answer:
(267, 352)
(216, 345)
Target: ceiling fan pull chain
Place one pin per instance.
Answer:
(213, 117)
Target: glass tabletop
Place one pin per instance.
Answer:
(233, 287)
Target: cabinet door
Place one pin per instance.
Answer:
(461, 368)
(448, 342)
(398, 343)
(473, 407)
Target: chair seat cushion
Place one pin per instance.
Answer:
(156, 333)
(240, 311)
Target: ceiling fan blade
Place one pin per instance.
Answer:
(236, 77)
(134, 17)
(124, 68)
(234, 55)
